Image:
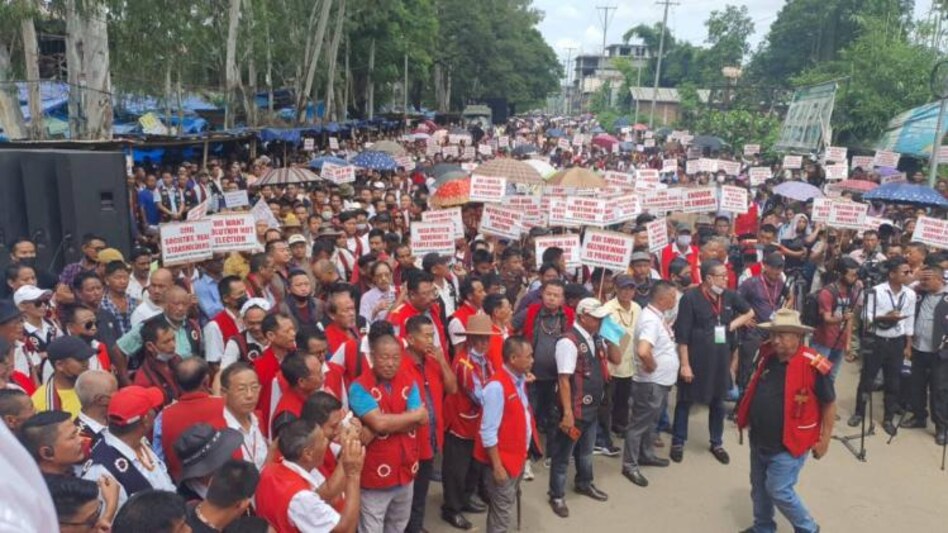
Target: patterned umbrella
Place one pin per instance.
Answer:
(905, 193)
(605, 141)
(798, 190)
(375, 161)
(317, 163)
(545, 169)
(452, 193)
(581, 178)
(555, 132)
(287, 175)
(525, 149)
(389, 147)
(515, 171)
(854, 185)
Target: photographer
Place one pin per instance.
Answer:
(870, 249)
(837, 301)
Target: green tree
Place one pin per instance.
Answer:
(728, 34)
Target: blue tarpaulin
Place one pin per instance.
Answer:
(912, 132)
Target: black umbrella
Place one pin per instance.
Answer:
(525, 149)
(442, 168)
(708, 141)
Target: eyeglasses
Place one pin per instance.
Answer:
(89, 326)
(244, 389)
(41, 303)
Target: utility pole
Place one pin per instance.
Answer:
(605, 17)
(569, 86)
(405, 90)
(658, 66)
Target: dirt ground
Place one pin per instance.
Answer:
(899, 488)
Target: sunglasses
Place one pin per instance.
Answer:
(89, 326)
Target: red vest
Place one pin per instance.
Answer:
(267, 367)
(227, 324)
(462, 417)
(463, 313)
(349, 358)
(390, 460)
(802, 415)
(670, 252)
(290, 400)
(400, 315)
(512, 445)
(102, 355)
(530, 322)
(435, 386)
(191, 408)
(278, 484)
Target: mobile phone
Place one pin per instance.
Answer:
(574, 433)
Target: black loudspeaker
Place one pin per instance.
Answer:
(12, 212)
(44, 222)
(93, 198)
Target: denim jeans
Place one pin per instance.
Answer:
(835, 356)
(715, 422)
(772, 479)
(560, 450)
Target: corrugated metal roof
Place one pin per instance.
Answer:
(665, 94)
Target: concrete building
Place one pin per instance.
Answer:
(592, 71)
(667, 103)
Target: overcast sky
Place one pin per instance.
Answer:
(577, 23)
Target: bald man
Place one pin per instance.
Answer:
(187, 332)
(326, 274)
(94, 388)
(153, 303)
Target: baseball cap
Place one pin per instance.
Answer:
(68, 347)
(107, 255)
(592, 307)
(8, 311)
(291, 221)
(624, 281)
(640, 256)
(433, 259)
(774, 260)
(30, 293)
(681, 227)
(296, 239)
(128, 405)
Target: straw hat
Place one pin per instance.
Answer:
(786, 321)
(479, 324)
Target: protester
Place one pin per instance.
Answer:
(160, 511)
(53, 441)
(70, 358)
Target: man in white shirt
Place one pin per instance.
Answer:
(656, 372)
(153, 303)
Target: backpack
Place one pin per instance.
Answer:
(810, 316)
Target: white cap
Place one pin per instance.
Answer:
(296, 239)
(254, 302)
(592, 307)
(30, 293)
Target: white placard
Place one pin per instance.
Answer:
(862, 161)
(586, 211)
(759, 175)
(198, 212)
(451, 215)
(530, 207)
(848, 215)
(886, 158)
(730, 168)
(568, 243)
(622, 208)
(333, 143)
(607, 249)
(662, 201)
(449, 151)
(649, 134)
(261, 212)
(404, 161)
(931, 231)
(647, 179)
(649, 143)
(821, 209)
(623, 179)
(185, 242)
(836, 154)
(578, 139)
(893, 178)
(234, 232)
(657, 234)
(699, 200)
(501, 222)
(427, 237)
(488, 188)
(338, 174)
(733, 199)
(751, 149)
(235, 199)
(837, 171)
(669, 165)
(563, 144)
(309, 144)
(942, 154)
(469, 152)
(484, 149)
(793, 162)
(504, 142)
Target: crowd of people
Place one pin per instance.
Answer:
(323, 382)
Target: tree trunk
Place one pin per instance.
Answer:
(31, 60)
(231, 74)
(370, 84)
(333, 56)
(73, 70)
(348, 84)
(314, 59)
(167, 117)
(87, 58)
(11, 117)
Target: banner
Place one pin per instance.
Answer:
(808, 119)
(839, 171)
(622, 208)
(669, 165)
(793, 162)
(488, 189)
(931, 231)
(501, 222)
(619, 178)
(647, 179)
(530, 207)
(185, 242)
(451, 215)
(758, 175)
(586, 211)
(238, 198)
(702, 200)
(152, 125)
(836, 154)
(607, 249)
(862, 161)
(234, 233)
(657, 234)
(338, 174)
(734, 199)
(662, 201)
(427, 237)
(751, 149)
(821, 209)
(731, 168)
(848, 215)
(885, 158)
(568, 243)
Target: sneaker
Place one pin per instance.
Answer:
(600, 450)
(612, 451)
(546, 463)
(527, 471)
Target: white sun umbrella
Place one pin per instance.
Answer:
(545, 169)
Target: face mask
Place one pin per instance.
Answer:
(165, 357)
(241, 301)
(684, 240)
(28, 261)
(327, 215)
(720, 179)
(717, 290)
(362, 227)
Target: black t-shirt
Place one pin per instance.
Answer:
(197, 526)
(766, 409)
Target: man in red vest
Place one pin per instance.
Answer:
(286, 495)
(682, 247)
(195, 405)
(227, 323)
(790, 407)
(506, 430)
(472, 294)
(421, 301)
(281, 335)
(388, 402)
(343, 337)
(301, 374)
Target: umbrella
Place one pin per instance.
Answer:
(626, 146)
(452, 193)
(581, 178)
(597, 129)
(859, 186)
(798, 190)
(640, 127)
(708, 141)
(555, 132)
(515, 171)
(605, 141)
(905, 193)
(452, 175)
(441, 168)
(375, 161)
(420, 135)
(389, 147)
(621, 122)
(663, 132)
(545, 169)
(318, 162)
(287, 175)
(525, 149)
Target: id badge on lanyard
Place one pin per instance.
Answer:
(720, 334)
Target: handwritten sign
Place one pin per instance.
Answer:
(563, 144)
(657, 234)
(338, 174)
(838, 171)
(404, 161)
(821, 209)
(584, 210)
(235, 199)
(793, 162)
(886, 158)
(198, 212)
(449, 151)
(555, 206)
(185, 242)
(693, 166)
(568, 243)
(669, 165)
(751, 149)
(333, 143)
(501, 222)
(458, 138)
(759, 175)
(607, 249)
(701, 200)
(504, 142)
(451, 216)
(309, 144)
(861, 161)
(649, 143)
(578, 139)
(622, 208)
(427, 237)
(942, 154)
(836, 154)
(530, 207)
(849, 215)
(734, 199)
(619, 178)
(469, 152)
(488, 188)
(931, 231)
(662, 201)
(731, 168)
(261, 213)
(893, 178)
(233, 233)
(647, 179)
(484, 149)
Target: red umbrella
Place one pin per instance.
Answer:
(640, 127)
(452, 193)
(854, 185)
(605, 140)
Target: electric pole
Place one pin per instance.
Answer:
(658, 66)
(569, 88)
(605, 17)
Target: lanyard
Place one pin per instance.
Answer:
(892, 300)
(716, 307)
(661, 317)
(772, 296)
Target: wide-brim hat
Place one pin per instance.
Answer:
(786, 321)
(479, 324)
(203, 450)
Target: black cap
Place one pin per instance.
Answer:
(69, 347)
(203, 450)
(382, 217)
(774, 260)
(432, 259)
(624, 281)
(8, 311)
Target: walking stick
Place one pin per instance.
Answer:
(944, 448)
(518, 496)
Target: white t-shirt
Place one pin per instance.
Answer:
(144, 311)
(566, 353)
(307, 511)
(652, 329)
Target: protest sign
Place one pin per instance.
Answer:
(873, 223)
(836, 154)
(685, 139)
(848, 215)
(152, 125)
(469, 152)
(233, 232)
(404, 161)
(709, 165)
(758, 175)
(449, 150)
(334, 143)
(458, 138)
(793, 162)
(733, 199)
(199, 211)
(886, 158)
(185, 242)
(619, 178)
(578, 139)
(529, 206)
(235, 199)
(701, 200)
(649, 134)
(662, 201)
(309, 144)
(450, 215)
(751, 149)
(585, 210)
(568, 243)
(261, 213)
(657, 234)
(488, 188)
(838, 171)
(432, 149)
(437, 237)
(556, 207)
(862, 161)
(693, 166)
(469, 166)
(647, 179)
(669, 165)
(731, 168)
(607, 249)
(503, 141)
(622, 209)
(821, 209)
(501, 222)
(931, 231)
(942, 154)
(484, 149)
(893, 178)
(649, 143)
(338, 174)
(562, 144)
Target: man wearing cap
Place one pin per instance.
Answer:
(124, 452)
(22, 365)
(39, 330)
(625, 312)
(581, 365)
(299, 249)
(682, 247)
(766, 294)
(790, 407)
(201, 450)
(69, 357)
(462, 414)
(641, 272)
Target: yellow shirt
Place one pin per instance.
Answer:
(68, 400)
(236, 265)
(626, 319)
